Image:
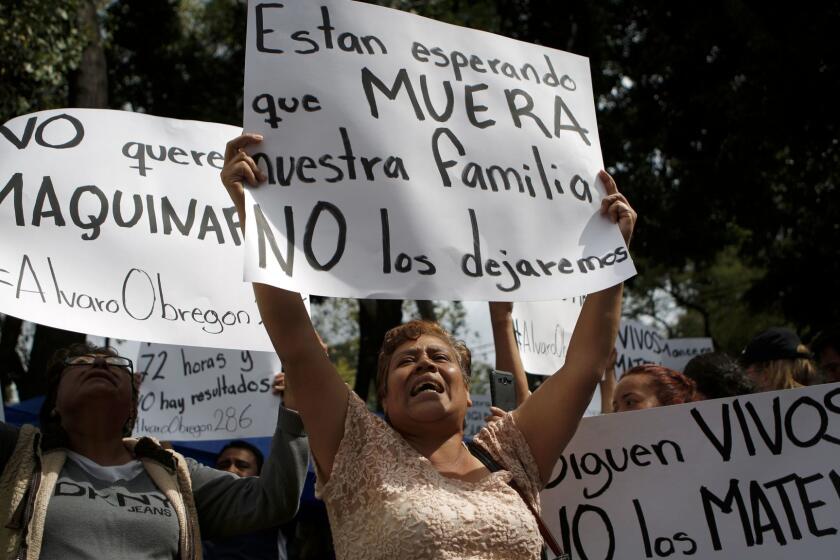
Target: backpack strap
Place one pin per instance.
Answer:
(487, 460)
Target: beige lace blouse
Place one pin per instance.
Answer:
(387, 501)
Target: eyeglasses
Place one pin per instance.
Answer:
(98, 359)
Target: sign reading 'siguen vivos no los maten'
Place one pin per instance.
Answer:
(754, 477)
(411, 158)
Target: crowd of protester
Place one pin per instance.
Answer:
(404, 485)
(78, 448)
(773, 360)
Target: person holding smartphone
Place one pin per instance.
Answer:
(508, 381)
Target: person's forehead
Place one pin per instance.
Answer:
(94, 354)
(634, 383)
(423, 343)
(237, 453)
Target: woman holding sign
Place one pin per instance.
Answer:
(81, 488)
(408, 486)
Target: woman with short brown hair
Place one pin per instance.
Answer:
(410, 488)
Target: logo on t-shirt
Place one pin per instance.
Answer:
(145, 503)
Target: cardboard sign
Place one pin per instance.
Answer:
(197, 394)
(753, 478)
(115, 224)
(407, 157)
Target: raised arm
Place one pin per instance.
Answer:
(320, 394)
(548, 418)
(507, 351)
(608, 383)
(230, 505)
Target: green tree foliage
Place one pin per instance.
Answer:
(754, 140)
(182, 59)
(729, 138)
(450, 314)
(477, 14)
(720, 122)
(710, 302)
(39, 46)
(337, 321)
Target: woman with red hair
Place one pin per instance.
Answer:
(651, 385)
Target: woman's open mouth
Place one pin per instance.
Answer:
(426, 385)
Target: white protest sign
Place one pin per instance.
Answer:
(543, 330)
(638, 344)
(192, 394)
(479, 410)
(753, 478)
(115, 224)
(407, 157)
(681, 350)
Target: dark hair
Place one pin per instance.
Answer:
(50, 422)
(241, 444)
(669, 386)
(829, 338)
(717, 376)
(412, 331)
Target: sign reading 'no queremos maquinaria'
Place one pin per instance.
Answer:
(411, 158)
(115, 224)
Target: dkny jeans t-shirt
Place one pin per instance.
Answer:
(108, 512)
(118, 512)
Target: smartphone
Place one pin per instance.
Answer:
(502, 392)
